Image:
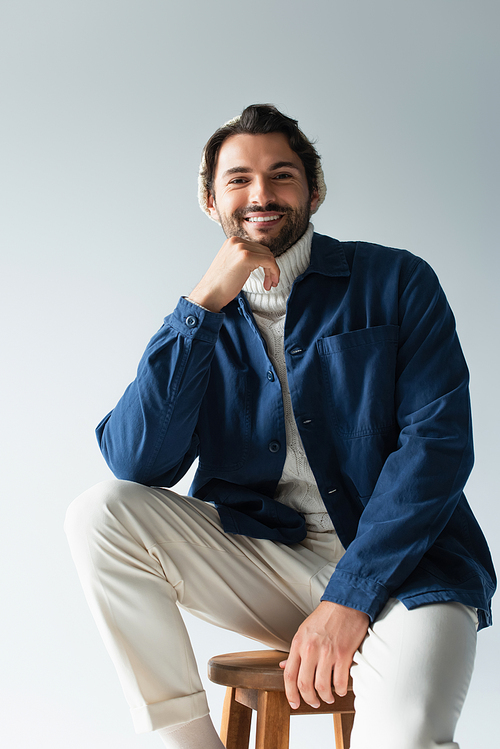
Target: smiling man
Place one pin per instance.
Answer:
(322, 387)
(280, 185)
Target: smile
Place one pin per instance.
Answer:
(262, 219)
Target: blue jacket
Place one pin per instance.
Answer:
(379, 388)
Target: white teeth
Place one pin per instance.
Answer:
(262, 218)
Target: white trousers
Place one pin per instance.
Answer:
(142, 552)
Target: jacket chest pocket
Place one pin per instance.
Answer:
(359, 370)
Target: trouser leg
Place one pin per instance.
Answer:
(411, 676)
(141, 551)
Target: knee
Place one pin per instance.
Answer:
(94, 508)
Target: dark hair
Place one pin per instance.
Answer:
(260, 119)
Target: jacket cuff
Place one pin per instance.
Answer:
(193, 321)
(356, 593)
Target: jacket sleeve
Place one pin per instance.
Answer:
(422, 480)
(150, 435)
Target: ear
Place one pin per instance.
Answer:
(314, 200)
(212, 208)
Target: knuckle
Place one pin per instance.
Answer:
(309, 647)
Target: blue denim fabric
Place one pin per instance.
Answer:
(379, 388)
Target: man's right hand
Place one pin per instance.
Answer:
(229, 271)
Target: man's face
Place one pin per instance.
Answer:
(261, 191)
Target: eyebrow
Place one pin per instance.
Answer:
(272, 168)
(281, 164)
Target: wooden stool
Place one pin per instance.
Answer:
(254, 681)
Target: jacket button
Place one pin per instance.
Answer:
(296, 351)
(306, 421)
(270, 376)
(191, 321)
(274, 446)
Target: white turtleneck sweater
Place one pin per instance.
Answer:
(297, 487)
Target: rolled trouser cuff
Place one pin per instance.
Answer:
(169, 713)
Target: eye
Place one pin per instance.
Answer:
(238, 181)
(283, 175)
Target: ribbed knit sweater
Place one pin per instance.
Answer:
(297, 487)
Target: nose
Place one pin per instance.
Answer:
(262, 191)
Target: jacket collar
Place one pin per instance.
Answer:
(327, 257)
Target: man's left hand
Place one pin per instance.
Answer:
(324, 643)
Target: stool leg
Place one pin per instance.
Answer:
(236, 719)
(273, 721)
(342, 725)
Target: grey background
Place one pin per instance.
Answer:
(105, 107)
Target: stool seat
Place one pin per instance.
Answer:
(258, 669)
(254, 681)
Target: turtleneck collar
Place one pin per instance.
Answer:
(292, 263)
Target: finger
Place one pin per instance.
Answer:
(271, 275)
(275, 271)
(268, 279)
(268, 262)
(290, 679)
(282, 664)
(305, 682)
(323, 681)
(341, 676)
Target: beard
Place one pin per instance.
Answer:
(295, 222)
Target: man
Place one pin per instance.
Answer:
(322, 386)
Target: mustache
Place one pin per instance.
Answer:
(241, 212)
